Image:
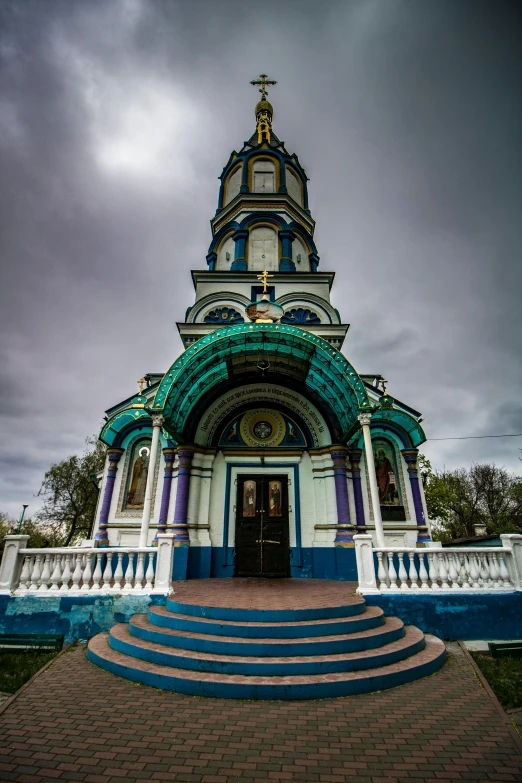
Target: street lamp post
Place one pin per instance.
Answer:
(24, 506)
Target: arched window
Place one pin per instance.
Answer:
(232, 185)
(300, 315)
(262, 252)
(137, 475)
(263, 176)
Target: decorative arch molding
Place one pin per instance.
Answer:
(395, 423)
(259, 394)
(304, 299)
(227, 356)
(122, 424)
(198, 311)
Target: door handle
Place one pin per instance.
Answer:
(266, 541)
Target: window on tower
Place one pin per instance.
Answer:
(263, 176)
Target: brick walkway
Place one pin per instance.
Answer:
(76, 722)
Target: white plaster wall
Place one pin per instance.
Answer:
(306, 486)
(228, 246)
(233, 184)
(263, 176)
(294, 186)
(298, 283)
(217, 500)
(298, 248)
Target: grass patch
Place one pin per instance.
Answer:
(18, 667)
(505, 677)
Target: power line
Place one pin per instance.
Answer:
(479, 437)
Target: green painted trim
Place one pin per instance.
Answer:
(325, 373)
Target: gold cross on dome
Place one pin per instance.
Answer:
(265, 82)
(141, 383)
(263, 278)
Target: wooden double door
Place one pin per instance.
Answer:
(262, 546)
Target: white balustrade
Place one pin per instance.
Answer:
(448, 569)
(84, 570)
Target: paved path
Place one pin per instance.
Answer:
(77, 723)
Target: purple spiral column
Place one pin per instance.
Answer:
(102, 538)
(169, 455)
(343, 536)
(355, 460)
(410, 455)
(179, 527)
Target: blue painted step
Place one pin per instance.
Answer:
(357, 606)
(388, 630)
(198, 683)
(121, 640)
(371, 618)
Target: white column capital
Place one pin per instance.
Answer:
(364, 419)
(158, 420)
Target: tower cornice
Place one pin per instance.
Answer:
(266, 201)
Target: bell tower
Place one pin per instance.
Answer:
(263, 223)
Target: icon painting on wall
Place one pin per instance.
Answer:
(386, 473)
(249, 499)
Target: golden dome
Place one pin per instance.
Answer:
(264, 106)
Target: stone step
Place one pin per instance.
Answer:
(390, 629)
(121, 640)
(351, 605)
(372, 617)
(237, 686)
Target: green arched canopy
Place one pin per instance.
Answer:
(235, 353)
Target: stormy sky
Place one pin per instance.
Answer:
(116, 118)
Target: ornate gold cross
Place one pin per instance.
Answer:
(264, 277)
(264, 81)
(141, 383)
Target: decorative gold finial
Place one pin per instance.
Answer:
(263, 278)
(265, 82)
(264, 110)
(384, 384)
(141, 383)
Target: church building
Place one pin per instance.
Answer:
(261, 448)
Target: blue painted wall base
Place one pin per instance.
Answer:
(307, 563)
(467, 616)
(180, 567)
(76, 617)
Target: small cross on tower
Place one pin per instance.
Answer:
(265, 82)
(141, 383)
(263, 278)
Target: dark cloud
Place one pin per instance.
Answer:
(115, 121)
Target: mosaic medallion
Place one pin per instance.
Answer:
(263, 427)
(262, 430)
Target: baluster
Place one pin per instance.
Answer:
(140, 572)
(382, 575)
(96, 577)
(403, 575)
(464, 572)
(35, 573)
(392, 573)
(473, 571)
(118, 573)
(66, 575)
(25, 576)
(87, 573)
(77, 573)
(107, 571)
(453, 571)
(443, 572)
(45, 575)
(494, 570)
(433, 568)
(56, 577)
(149, 575)
(414, 576)
(504, 572)
(423, 574)
(129, 573)
(484, 571)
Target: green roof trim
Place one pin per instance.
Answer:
(235, 351)
(121, 421)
